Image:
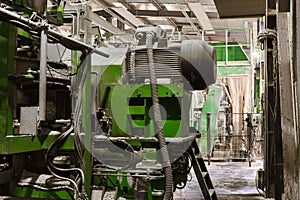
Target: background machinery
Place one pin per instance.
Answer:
(114, 120)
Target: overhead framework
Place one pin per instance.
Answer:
(180, 15)
(201, 15)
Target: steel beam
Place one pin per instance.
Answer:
(160, 13)
(201, 16)
(162, 7)
(128, 16)
(106, 12)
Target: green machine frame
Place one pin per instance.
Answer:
(126, 122)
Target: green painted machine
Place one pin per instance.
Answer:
(117, 121)
(129, 91)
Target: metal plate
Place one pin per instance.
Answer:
(28, 122)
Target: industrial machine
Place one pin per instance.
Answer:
(118, 120)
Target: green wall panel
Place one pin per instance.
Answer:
(235, 53)
(233, 70)
(7, 44)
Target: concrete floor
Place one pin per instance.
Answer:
(232, 181)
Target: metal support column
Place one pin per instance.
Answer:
(43, 78)
(297, 64)
(287, 71)
(272, 122)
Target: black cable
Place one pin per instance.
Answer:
(50, 165)
(129, 149)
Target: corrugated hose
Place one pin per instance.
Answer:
(158, 121)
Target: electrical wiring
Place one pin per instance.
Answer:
(121, 144)
(77, 107)
(50, 165)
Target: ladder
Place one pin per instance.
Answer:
(202, 174)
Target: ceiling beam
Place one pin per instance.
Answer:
(160, 13)
(130, 7)
(128, 16)
(168, 13)
(108, 11)
(184, 12)
(102, 4)
(105, 24)
(162, 7)
(201, 16)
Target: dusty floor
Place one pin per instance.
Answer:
(232, 181)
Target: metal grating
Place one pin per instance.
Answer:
(167, 64)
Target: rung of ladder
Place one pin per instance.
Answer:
(204, 174)
(211, 192)
(203, 177)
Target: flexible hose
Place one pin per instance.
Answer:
(50, 165)
(158, 121)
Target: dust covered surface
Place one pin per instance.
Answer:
(232, 181)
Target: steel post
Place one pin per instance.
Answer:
(226, 46)
(43, 78)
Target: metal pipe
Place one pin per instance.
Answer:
(252, 70)
(208, 138)
(147, 139)
(220, 30)
(202, 35)
(154, 177)
(199, 122)
(81, 44)
(249, 134)
(226, 47)
(43, 77)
